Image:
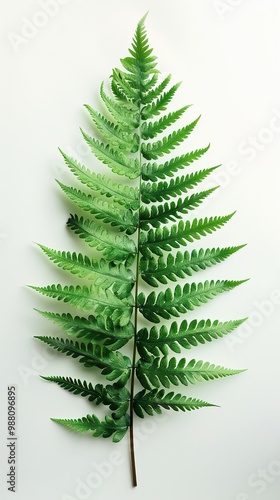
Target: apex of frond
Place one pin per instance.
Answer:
(143, 19)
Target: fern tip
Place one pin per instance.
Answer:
(143, 19)
(244, 281)
(239, 247)
(40, 245)
(242, 370)
(37, 310)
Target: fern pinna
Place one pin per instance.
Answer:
(138, 230)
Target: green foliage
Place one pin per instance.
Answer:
(136, 218)
(109, 427)
(153, 401)
(117, 398)
(185, 335)
(165, 371)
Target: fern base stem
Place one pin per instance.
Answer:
(132, 457)
(131, 433)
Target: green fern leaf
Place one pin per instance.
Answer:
(126, 116)
(153, 171)
(164, 371)
(153, 401)
(152, 129)
(165, 238)
(159, 191)
(124, 83)
(129, 243)
(113, 158)
(113, 364)
(152, 151)
(114, 133)
(157, 342)
(153, 92)
(109, 213)
(92, 329)
(143, 62)
(117, 398)
(97, 300)
(124, 195)
(101, 272)
(169, 303)
(160, 270)
(116, 248)
(108, 427)
(160, 104)
(171, 211)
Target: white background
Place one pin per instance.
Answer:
(227, 55)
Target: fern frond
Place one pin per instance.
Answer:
(92, 329)
(101, 272)
(165, 238)
(109, 213)
(186, 335)
(153, 401)
(118, 94)
(127, 85)
(154, 93)
(94, 299)
(117, 398)
(160, 191)
(153, 171)
(116, 248)
(112, 363)
(154, 109)
(165, 371)
(153, 150)
(124, 195)
(166, 212)
(149, 84)
(127, 117)
(108, 427)
(181, 264)
(119, 163)
(143, 62)
(112, 132)
(149, 130)
(128, 139)
(173, 303)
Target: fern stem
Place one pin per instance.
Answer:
(132, 451)
(131, 433)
